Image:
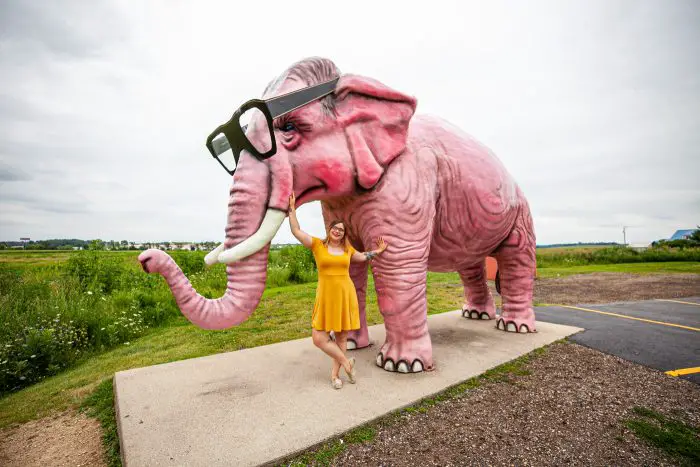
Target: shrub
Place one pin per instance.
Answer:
(615, 255)
(53, 314)
(96, 271)
(39, 350)
(190, 262)
(300, 263)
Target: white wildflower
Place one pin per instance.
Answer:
(33, 356)
(102, 298)
(127, 343)
(102, 329)
(89, 292)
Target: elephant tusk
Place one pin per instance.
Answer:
(212, 257)
(269, 227)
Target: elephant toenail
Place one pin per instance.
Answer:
(511, 327)
(417, 366)
(402, 367)
(380, 360)
(389, 365)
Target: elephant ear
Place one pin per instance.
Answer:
(375, 119)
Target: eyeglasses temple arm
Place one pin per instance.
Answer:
(286, 103)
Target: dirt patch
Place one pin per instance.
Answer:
(606, 287)
(568, 410)
(68, 438)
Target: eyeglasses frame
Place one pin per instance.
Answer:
(271, 109)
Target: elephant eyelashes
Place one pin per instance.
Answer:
(289, 126)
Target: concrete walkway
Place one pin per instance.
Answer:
(258, 405)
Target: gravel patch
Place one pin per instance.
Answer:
(569, 410)
(606, 287)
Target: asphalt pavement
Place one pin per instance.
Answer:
(661, 334)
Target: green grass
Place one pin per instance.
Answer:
(284, 313)
(676, 438)
(692, 267)
(100, 405)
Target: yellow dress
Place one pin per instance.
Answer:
(336, 307)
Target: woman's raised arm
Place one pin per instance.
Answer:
(300, 235)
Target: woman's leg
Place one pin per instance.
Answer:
(323, 341)
(341, 339)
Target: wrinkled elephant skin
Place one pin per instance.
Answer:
(442, 201)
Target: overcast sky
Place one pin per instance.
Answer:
(593, 106)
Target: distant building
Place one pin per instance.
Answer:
(638, 246)
(682, 234)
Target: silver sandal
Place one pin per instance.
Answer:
(353, 372)
(336, 383)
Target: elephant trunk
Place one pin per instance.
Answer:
(246, 278)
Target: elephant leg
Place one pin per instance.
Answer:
(359, 338)
(517, 266)
(403, 303)
(478, 301)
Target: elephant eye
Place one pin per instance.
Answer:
(289, 126)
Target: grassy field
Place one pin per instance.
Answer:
(119, 318)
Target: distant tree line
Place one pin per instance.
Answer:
(99, 244)
(561, 245)
(52, 244)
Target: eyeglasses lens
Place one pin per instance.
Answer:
(256, 129)
(223, 149)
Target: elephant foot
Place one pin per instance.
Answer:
(408, 357)
(521, 322)
(358, 339)
(487, 311)
(153, 260)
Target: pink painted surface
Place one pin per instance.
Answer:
(442, 201)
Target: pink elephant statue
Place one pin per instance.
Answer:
(442, 201)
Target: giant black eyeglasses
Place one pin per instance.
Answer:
(228, 140)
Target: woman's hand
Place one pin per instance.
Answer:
(381, 245)
(292, 201)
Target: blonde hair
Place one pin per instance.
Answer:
(346, 243)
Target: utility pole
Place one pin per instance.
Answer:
(624, 235)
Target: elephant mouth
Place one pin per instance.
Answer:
(311, 194)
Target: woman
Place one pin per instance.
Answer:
(336, 307)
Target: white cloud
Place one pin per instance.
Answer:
(104, 108)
